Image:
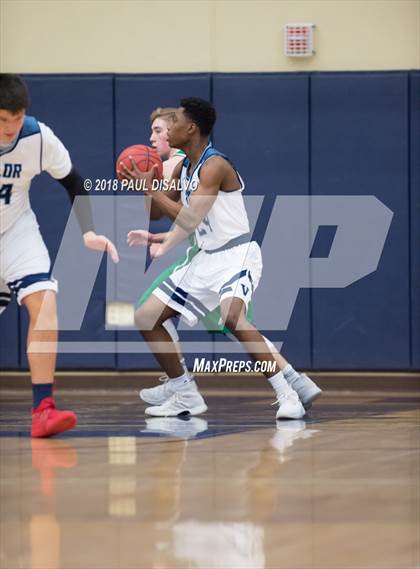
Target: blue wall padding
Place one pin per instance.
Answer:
(262, 126)
(136, 96)
(415, 217)
(289, 134)
(359, 146)
(79, 109)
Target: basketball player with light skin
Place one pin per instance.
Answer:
(225, 271)
(159, 120)
(28, 147)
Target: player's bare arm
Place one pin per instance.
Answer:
(213, 176)
(159, 209)
(162, 203)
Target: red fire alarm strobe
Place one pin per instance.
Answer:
(299, 40)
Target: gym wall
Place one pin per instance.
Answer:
(160, 36)
(289, 134)
(317, 126)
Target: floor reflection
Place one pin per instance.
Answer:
(283, 495)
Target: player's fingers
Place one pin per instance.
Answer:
(138, 236)
(112, 251)
(125, 171)
(134, 167)
(135, 241)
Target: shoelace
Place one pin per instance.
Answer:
(280, 397)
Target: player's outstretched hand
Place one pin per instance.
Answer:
(139, 237)
(144, 237)
(101, 243)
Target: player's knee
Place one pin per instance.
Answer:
(234, 321)
(42, 309)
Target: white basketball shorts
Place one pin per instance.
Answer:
(198, 288)
(25, 264)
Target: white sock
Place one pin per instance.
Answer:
(278, 382)
(172, 331)
(290, 374)
(178, 383)
(184, 365)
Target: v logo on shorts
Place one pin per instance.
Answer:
(245, 289)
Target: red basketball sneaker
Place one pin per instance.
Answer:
(48, 421)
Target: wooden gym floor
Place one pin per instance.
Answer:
(231, 489)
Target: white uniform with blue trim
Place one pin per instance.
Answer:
(227, 218)
(24, 260)
(228, 265)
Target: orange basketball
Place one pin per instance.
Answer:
(143, 156)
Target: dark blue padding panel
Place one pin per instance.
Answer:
(262, 126)
(359, 146)
(9, 337)
(136, 96)
(415, 217)
(79, 109)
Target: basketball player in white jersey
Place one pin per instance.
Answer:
(28, 147)
(225, 272)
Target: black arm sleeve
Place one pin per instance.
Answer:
(73, 183)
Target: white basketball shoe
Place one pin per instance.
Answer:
(307, 390)
(185, 401)
(160, 393)
(290, 406)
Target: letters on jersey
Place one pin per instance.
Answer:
(36, 149)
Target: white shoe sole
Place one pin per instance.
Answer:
(193, 411)
(298, 413)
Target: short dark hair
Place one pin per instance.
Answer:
(201, 112)
(14, 96)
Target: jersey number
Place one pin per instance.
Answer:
(5, 193)
(202, 230)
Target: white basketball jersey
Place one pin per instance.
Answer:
(36, 149)
(227, 218)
